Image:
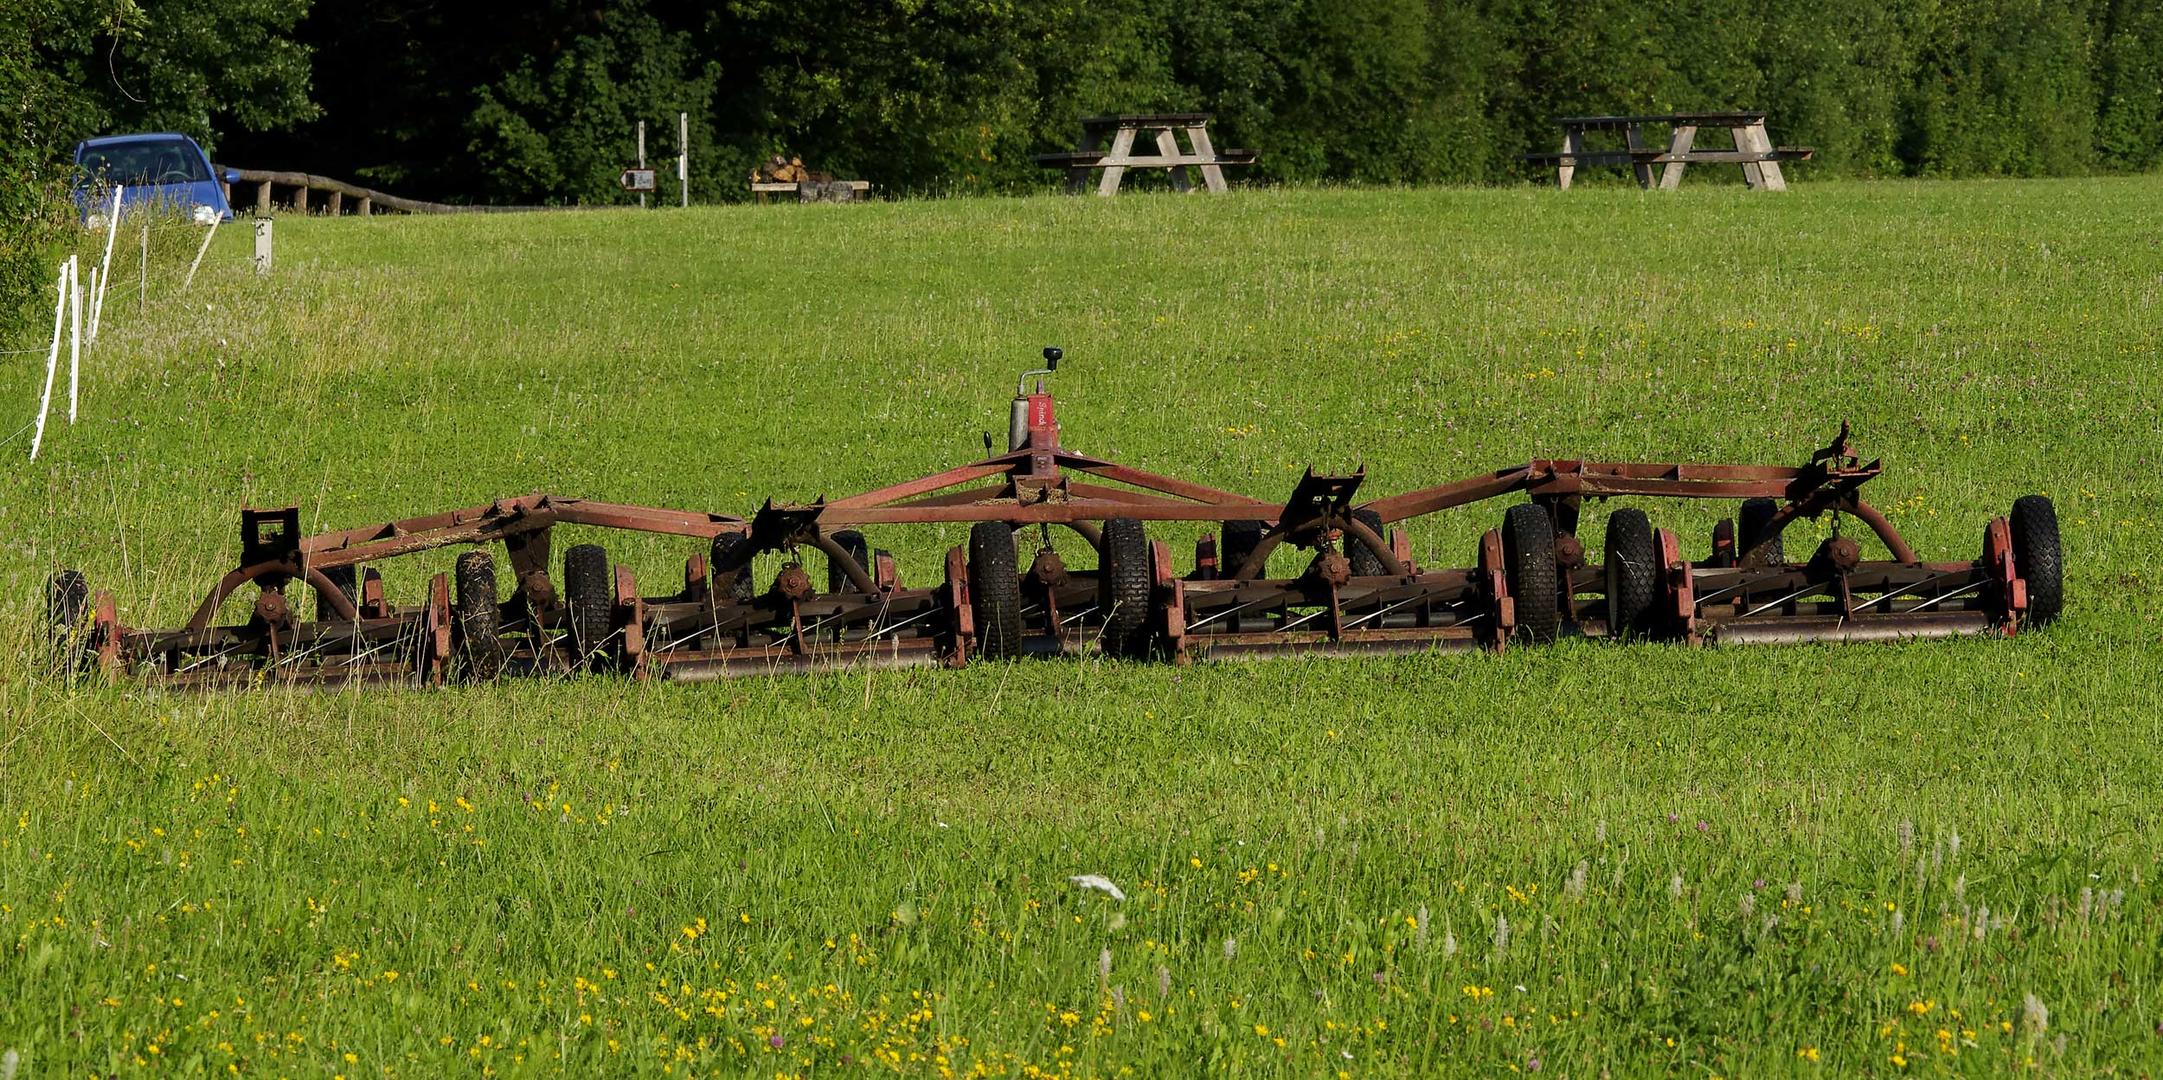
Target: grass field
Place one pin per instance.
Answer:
(1587, 860)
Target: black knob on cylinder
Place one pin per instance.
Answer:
(1052, 353)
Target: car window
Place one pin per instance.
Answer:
(161, 161)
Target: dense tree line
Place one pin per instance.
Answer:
(535, 102)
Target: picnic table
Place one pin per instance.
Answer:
(1754, 151)
(1159, 130)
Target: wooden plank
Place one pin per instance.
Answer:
(1573, 146)
(1212, 173)
(1769, 168)
(1635, 136)
(1662, 157)
(1122, 148)
(1695, 119)
(336, 205)
(262, 197)
(1753, 175)
(1146, 119)
(1678, 146)
(1168, 146)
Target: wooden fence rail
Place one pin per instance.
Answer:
(336, 192)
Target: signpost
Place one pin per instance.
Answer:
(683, 156)
(642, 164)
(639, 180)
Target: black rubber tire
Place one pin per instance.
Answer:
(1365, 562)
(995, 590)
(1632, 566)
(1750, 526)
(67, 599)
(476, 618)
(731, 548)
(2038, 557)
(347, 579)
(1528, 562)
(590, 600)
(854, 543)
(1237, 541)
(1124, 588)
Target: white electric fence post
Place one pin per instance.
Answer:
(105, 266)
(142, 270)
(642, 159)
(52, 357)
(262, 245)
(683, 156)
(75, 335)
(199, 253)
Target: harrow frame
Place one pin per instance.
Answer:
(1362, 591)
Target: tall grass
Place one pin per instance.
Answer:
(1814, 859)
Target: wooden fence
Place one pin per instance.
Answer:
(321, 194)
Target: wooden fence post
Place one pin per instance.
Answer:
(262, 198)
(366, 207)
(337, 203)
(300, 201)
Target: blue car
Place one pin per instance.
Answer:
(164, 170)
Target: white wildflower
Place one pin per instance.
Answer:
(1906, 831)
(1952, 844)
(1164, 981)
(1502, 933)
(1982, 921)
(1231, 948)
(2034, 1015)
(1575, 887)
(1674, 887)
(2087, 902)
(1794, 892)
(1104, 963)
(1098, 882)
(1419, 930)
(1599, 830)
(1899, 921)
(1747, 906)
(1449, 943)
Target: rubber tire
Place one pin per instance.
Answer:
(1237, 541)
(1528, 561)
(2038, 557)
(1124, 588)
(67, 599)
(1750, 524)
(591, 600)
(1365, 563)
(1632, 565)
(347, 579)
(854, 543)
(727, 548)
(995, 590)
(476, 618)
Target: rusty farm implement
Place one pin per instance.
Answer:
(1008, 592)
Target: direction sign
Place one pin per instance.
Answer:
(637, 179)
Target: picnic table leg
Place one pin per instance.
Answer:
(1573, 143)
(1077, 176)
(1765, 174)
(1212, 173)
(1122, 149)
(1634, 135)
(1168, 146)
(1671, 173)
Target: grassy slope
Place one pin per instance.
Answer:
(234, 878)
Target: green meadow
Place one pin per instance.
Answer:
(1586, 860)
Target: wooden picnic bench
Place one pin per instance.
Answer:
(1754, 151)
(1158, 129)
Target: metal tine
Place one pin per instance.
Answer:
(1804, 591)
(1384, 611)
(1936, 600)
(1227, 612)
(1902, 591)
